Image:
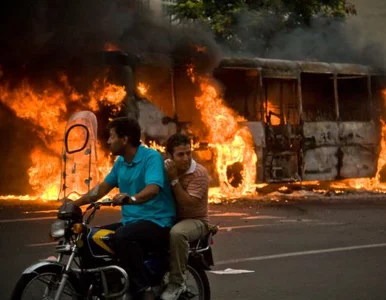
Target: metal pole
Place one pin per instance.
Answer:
(299, 97)
(174, 104)
(282, 114)
(370, 95)
(336, 97)
(261, 95)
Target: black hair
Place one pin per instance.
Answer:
(176, 140)
(129, 127)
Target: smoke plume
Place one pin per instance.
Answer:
(358, 39)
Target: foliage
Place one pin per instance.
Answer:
(234, 20)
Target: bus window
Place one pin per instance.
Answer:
(281, 101)
(241, 91)
(318, 97)
(354, 103)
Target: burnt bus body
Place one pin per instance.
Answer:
(309, 120)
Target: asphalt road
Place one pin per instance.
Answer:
(292, 251)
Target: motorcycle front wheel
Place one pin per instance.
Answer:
(42, 284)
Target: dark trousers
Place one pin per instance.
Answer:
(132, 242)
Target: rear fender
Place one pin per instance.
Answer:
(204, 260)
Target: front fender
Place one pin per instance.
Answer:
(42, 264)
(41, 267)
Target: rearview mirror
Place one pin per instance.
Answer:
(76, 138)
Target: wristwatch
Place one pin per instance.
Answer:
(129, 200)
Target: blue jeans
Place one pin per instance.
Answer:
(131, 243)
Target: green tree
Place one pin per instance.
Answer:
(232, 21)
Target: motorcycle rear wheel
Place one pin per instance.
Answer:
(198, 287)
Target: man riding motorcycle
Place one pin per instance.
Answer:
(148, 208)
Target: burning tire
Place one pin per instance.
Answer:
(235, 175)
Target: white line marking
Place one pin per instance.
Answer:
(27, 219)
(262, 218)
(228, 215)
(229, 228)
(296, 220)
(42, 244)
(40, 211)
(292, 254)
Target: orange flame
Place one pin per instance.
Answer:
(200, 48)
(111, 47)
(232, 142)
(155, 146)
(272, 108)
(191, 73)
(142, 88)
(107, 94)
(45, 109)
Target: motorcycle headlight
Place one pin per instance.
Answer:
(58, 229)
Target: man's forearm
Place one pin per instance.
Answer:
(90, 197)
(182, 196)
(94, 194)
(148, 193)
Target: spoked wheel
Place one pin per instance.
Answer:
(197, 284)
(42, 286)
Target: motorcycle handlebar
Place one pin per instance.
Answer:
(103, 202)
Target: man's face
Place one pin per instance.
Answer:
(116, 143)
(182, 156)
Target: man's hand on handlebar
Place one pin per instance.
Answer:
(121, 199)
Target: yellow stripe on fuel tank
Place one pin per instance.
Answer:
(97, 238)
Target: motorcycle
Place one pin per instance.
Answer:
(85, 266)
(92, 272)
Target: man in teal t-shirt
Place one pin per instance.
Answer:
(148, 208)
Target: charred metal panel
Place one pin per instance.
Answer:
(351, 152)
(277, 68)
(257, 130)
(315, 67)
(320, 134)
(363, 133)
(320, 164)
(281, 167)
(259, 164)
(351, 69)
(238, 63)
(358, 161)
(358, 142)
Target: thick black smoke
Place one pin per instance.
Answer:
(41, 39)
(59, 29)
(52, 31)
(358, 39)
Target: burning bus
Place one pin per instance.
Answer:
(251, 120)
(309, 120)
(306, 121)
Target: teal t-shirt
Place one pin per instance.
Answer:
(146, 168)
